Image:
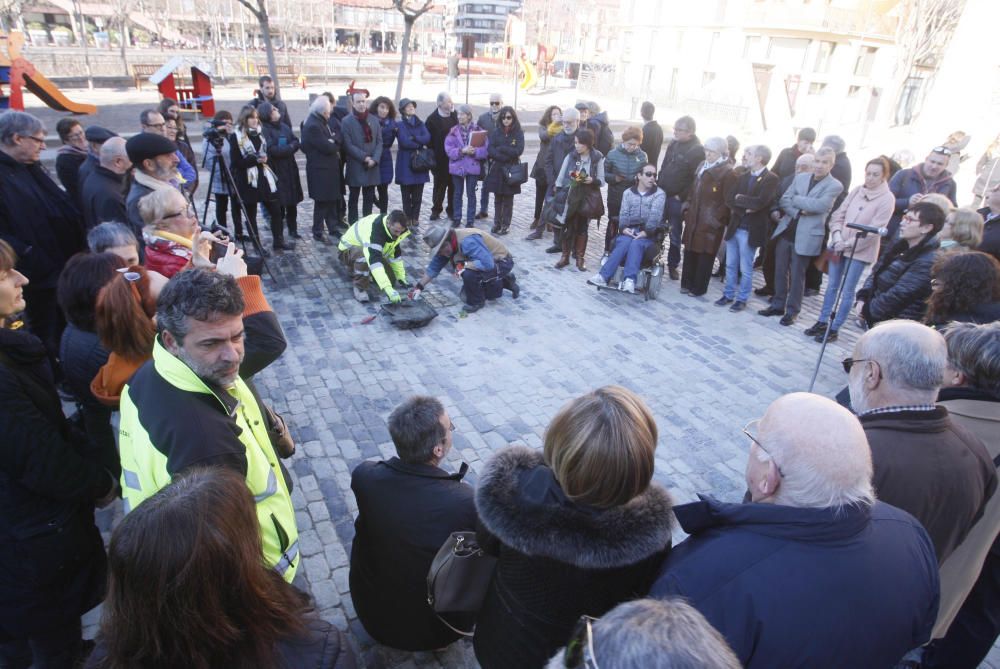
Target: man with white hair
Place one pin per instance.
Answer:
(439, 122)
(322, 145)
(102, 194)
(924, 463)
(559, 147)
(813, 571)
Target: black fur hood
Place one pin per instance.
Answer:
(522, 505)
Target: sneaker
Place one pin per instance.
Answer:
(816, 328)
(360, 295)
(597, 280)
(738, 306)
(723, 301)
(628, 285)
(685, 291)
(832, 336)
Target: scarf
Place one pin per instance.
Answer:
(150, 182)
(363, 118)
(554, 128)
(705, 166)
(253, 173)
(75, 150)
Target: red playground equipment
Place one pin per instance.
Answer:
(17, 72)
(197, 97)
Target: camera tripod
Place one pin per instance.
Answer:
(219, 166)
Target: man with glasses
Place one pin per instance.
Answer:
(407, 506)
(39, 220)
(911, 184)
(71, 155)
(488, 121)
(153, 123)
(924, 463)
(680, 162)
(154, 158)
(639, 224)
(813, 568)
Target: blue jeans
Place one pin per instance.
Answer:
(739, 260)
(675, 224)
(468, 185)
(628, 250)
(854, 272)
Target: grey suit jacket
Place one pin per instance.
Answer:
(812, 208)
(358, 149)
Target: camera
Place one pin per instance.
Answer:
(215, 134)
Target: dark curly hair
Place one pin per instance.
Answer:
(960, 283)
(373, 107)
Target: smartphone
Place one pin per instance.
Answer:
(219, 250)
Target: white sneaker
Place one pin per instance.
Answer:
(597, 280)
(360, 295)
(628, 285)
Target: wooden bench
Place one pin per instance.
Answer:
(142, 71)
(283, 71)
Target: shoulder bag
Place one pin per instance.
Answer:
(459, 577)
(422, 160)
(516, 174)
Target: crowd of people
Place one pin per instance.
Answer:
(868, 534)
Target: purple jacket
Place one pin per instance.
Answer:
(458, 163)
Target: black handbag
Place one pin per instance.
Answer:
(593, 204)
(516, 174)
(422, 160)
(459, 577)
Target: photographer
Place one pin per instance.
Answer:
(171, 233)
(215, 136)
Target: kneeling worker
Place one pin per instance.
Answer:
(479, 258)
(368, 245)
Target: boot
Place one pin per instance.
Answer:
(536, 234)
(535, 224)
(581, 252)
(557, 235)
(567, 245)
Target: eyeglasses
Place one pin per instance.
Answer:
(38, 140)
(749, 429)
(188, 211)
(649, 174)
(943, 150)
(76, 135)
(580, 649)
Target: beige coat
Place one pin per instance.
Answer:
(866, 207)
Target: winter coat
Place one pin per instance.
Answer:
(855, 586)
(217, 184)
(811, 206)
(707, 217)
(620, 164)
(40, 222)
(439, 126)
(87, 168)
(933, 469)
(358, 149)
(460, 164)
(643, 212)
(81, 356)
(544, 140)
(652, 141)
(604, 139)
(561, 146)
(577, 193)
(750, 205)
(389, 131)
(136, 192)
(279, 104)
(68, 162)
(784, 165)
(51, 553)
(557, 560)
(864, 207)
(165, 256)
(282, 145)
(906, 183)
(412, 135)
(991, 233)
(841, 171)
(185, 150)
(321, 144)
(900, 283)
(240, 164)
(680, 163)
(504, 151)
(405, 513)
(103, 198)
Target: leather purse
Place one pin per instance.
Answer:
(459, 577)
(277, 431)
(516, 174)
(593, 204)
(422, 160)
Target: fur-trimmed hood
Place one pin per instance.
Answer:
(520, 502)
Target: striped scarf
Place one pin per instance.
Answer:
(247, 148)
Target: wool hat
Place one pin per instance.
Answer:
(147, 145)
(407, 101)
(264, 110)
(98, 135)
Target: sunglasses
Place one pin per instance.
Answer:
(495, 104)
(580, 649)
(847, 363)
(943, 150)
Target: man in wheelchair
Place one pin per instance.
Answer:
(639, 230)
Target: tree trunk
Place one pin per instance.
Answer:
(123, 39)
(405, 51)
(272, 64)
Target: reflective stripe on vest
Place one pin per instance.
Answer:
(272, 487)
(287, 558)
(131, 479)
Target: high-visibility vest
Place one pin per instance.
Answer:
(360, 234)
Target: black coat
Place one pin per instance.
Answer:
(504, 151)
(81, 356)
(991, 234)
(557, 560)
(560, 147)
(405, 513)
(276, 103)
(52, 563)
(68, 170)
(751, 205)
(321, 142)
(784, 164)
(680, 163)
(103, 198)
(240, 165)
(900, 283)
(652, 141)
(282, 145)
(38, 219)
(439, 127)
(87, 168)
(841, 172)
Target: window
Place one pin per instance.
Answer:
(824, 55)
(865, 62)
(816, 88)
(852, 91)
(707, 78)
(750, 45)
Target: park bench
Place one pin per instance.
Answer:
(283, 71)
(142, 71)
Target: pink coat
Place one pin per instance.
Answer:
(866, 207)
(460, 164)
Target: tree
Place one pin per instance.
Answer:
(411, 11)
(12, 15)
(259, 10)
(120, 10)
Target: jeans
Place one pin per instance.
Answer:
(627, 250)
(675, 224)
(739, 260)
(835, 271)
(465, 183)
(367, 199)
(481, 286)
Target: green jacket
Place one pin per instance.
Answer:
(371, 233)
(172, 420)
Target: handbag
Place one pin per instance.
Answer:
(422, 160)
(823, 260)
(459, 577)
(554, 209)
(516, 174)
(593, 204)
(277, 431)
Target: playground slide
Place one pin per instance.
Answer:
(50, 94)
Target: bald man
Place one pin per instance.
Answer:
(103, 194)
(813, 571)
(924, 463)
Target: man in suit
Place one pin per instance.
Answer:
(488, 121)
(805, 206)
(749, 206)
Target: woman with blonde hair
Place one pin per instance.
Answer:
(577, 528)
(962, 231)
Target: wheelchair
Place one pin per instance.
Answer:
(650, 277)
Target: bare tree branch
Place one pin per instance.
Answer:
(411, 11)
